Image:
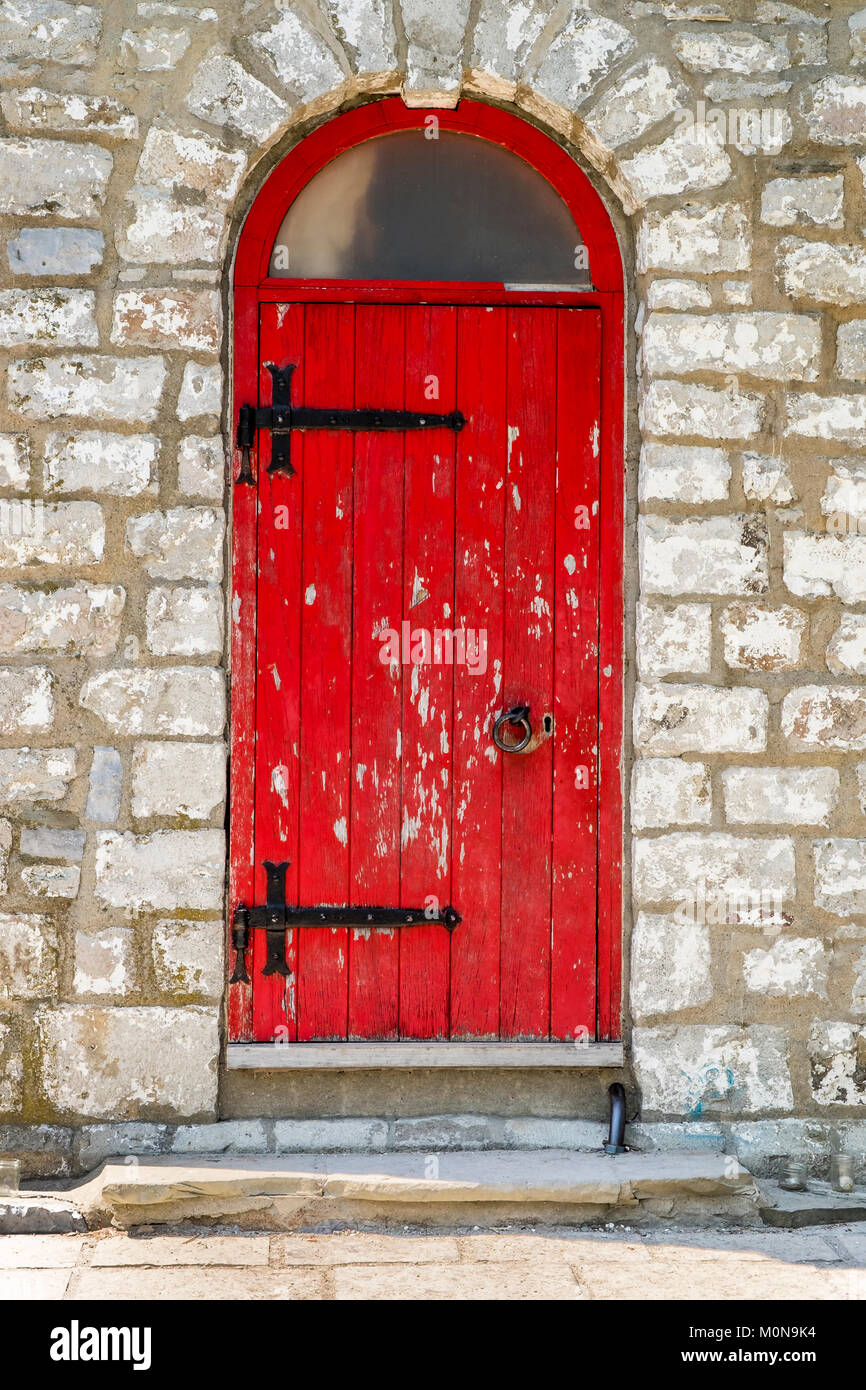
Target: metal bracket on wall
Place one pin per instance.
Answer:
(282, 417)
(277, 917)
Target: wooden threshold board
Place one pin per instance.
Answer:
(469, 1055)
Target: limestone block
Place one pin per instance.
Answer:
(791, 967)
(52, 178)
(175, 318)
(224, 93)
(673, 640)
(53, 318)
(840, 876)
(669, 791)
(785, 202)
(846, 650)
(104, 963)
(699, 719)
(34, 109)
(688, 1069)
(55, 251)
(165, 230)
(96, 388)
(670, 965)
(703, 555)
(35, 774)
(185, 621)
(201, 466)
(681, 408)
(694, 238)
(178, 779)
(105, 787)
(201, 390)
(688, 161)
(182, 543)
(835, 110)
(299, 56)
(780, 795)
(153, 49)
(97, 461)
(181, 700)
(170, 160)
(679, 866)
(52, 30)
(836, 1063)
(99, 1062)
(28, 957)
(825, 716)
(760, 638)
(841, 418)
(188, 957)
(682, 472)
(26, 700)
(79, 619)
(784, 347)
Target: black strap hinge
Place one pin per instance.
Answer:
(282, 417)
(277, 917)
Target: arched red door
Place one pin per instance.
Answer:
(426, 608)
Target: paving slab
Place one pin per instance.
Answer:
(206, 1284)
(711, 1281)
(520, 1245)
(853, 1241)
(795, 1247)
(40, 1252)
(463, 1281)
(419, 1264)
(117, 1251)
(18, 1285)
(362, 1248)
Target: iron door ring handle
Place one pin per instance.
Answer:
(518, 714)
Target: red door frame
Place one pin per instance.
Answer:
(252, 287)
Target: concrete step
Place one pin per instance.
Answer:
(39, 1213)
(492, 1187)
(819, 1205)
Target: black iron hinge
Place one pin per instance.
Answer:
(282, 417)
(277, 917)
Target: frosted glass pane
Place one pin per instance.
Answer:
(403, 207)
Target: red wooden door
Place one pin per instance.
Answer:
(376, 775)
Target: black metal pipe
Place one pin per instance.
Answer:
(616, 1134)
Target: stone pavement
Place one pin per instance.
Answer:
(827, 1263)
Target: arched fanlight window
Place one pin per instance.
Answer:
(406, 207)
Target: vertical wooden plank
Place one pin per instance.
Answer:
(326, 675)
(610, 828)
(243, 667)
(528, 674)
(575, 706)
(278, 674)
(428, 598)
(479, 604)
(374, 956)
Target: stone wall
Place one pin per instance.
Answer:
(729, 140)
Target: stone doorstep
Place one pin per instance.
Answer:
(819, 1205)
(588, 1186)
(38, 1213)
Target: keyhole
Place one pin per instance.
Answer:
(548, 723)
